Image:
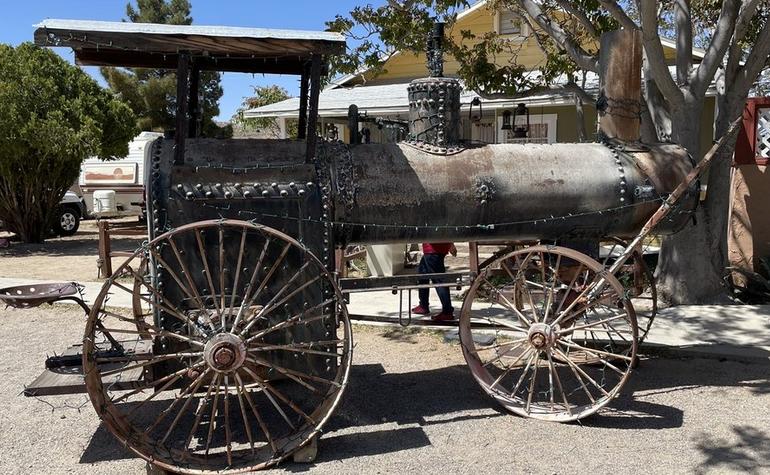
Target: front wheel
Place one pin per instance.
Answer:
(66, 221)
(548, 334)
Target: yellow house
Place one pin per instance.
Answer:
(553, 116)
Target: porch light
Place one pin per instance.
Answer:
(520, 131)
(506, 120)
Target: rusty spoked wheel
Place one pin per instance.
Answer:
(548, 334)
(637, 280)
(242, 356)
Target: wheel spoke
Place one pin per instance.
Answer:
(555, 374)
(290, 322)
(201, 408)
(596, 352)
(567, 330)
(254, 410)
(583, 373)
(186, 272)
(532, 382)
(271, 389)
(184, 406)
(237, 276)
(209, 279)
(189, 391)
(509, 367)
(228, 434)
(153, 360)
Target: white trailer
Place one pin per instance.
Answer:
(115, 188)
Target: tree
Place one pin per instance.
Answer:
(735, 35)
(53, 115)
(151, 93)
(263, 95)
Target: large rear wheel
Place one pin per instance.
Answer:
(237, 350)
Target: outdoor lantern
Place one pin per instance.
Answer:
(506, 120)
(520, 131)
(476, 102)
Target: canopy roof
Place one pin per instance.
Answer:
(219, 48)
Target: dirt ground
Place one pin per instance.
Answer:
(63, 259)
(412, 406)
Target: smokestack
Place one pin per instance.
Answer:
(620, 85)
(434, 102)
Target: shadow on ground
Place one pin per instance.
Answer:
(375, 397)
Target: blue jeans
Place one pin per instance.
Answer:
(434, 264)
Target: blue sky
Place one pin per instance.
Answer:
(19, 16)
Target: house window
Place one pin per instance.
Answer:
(508, 23)
(542, 129)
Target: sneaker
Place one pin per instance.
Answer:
(443, 316)
(420, 310)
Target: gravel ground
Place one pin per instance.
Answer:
(70, 258)
(412, 406)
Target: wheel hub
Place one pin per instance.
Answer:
(225, 352)
(541, 336)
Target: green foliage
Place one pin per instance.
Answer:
(379, 32)
(53, 115)
(404, 25)
(151, 93)
(263, 95)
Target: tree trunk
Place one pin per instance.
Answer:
(692, 262)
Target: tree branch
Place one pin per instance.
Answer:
(756, 60)
(617, 13)
(748, 10)
(683, 22)
(560, 37)
(573, 10)
(656, 60)
(724, 30)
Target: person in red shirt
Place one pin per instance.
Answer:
(432, 262)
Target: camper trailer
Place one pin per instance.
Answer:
(115, 188)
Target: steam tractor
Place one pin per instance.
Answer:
(236, 346)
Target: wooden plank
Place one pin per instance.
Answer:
(70, 380)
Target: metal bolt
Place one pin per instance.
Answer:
(274, 185)
(284, 193)
(189, 195)
(237, 186)
(247, 194)
(180, 187)
(218, 185)
(228, 194)
(265, 193)
(199, 186)
(209, 194)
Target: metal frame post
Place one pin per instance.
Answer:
(182, 96)
(315, 86)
